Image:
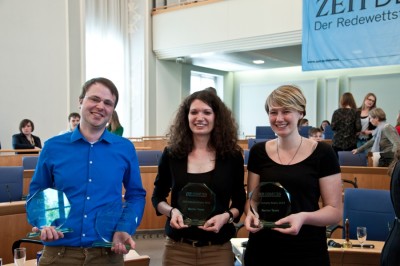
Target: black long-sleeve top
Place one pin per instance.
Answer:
(20, 142)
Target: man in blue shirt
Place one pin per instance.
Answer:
(89, 165)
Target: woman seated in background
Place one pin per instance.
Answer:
(114, 126)
(385, 138)
(324, 124)
(25, 139)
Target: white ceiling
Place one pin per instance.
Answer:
(239, 61)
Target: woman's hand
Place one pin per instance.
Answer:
(296, 222)
(215, 223)
(252, 223)
(176, 221)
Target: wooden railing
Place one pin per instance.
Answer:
(179, 4)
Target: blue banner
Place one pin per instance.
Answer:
(350, 33)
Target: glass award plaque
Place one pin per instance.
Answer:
(196, 202)
(270, 202)
(48, 207)
(114, 217)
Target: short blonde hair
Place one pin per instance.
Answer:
(378, 113)
(288, 96)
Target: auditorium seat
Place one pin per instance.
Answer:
(371, 208)
(11, 178)
(148, 157)
(265, 132)
(29, 162)
(251, 142)
(347, 158)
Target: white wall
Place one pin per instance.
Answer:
(227, 26)
(35, 57)
(383, 81)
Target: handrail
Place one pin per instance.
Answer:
(179, 5)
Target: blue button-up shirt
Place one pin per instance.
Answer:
(91, 176)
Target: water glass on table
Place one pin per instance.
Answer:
(19, 256)
(361, 234)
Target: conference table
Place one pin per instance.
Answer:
(131, 259)
(338, 256)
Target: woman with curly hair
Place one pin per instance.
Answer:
(202, 149)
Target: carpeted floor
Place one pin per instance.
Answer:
(150, 243)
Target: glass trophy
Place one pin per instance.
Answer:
(270, 202)
(48, 207)
(196, 202)
(114, 217)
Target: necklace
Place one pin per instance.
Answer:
(298, 148)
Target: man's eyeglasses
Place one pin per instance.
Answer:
(97, 100)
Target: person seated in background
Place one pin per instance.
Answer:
(315, 133)
(324, 124)
(73, 121)
(303, 122)
(25, 139)
(114, 126)
(385, 138)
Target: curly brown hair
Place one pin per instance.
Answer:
(223, 137)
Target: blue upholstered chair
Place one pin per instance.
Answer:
(265, 132)
(11, 179)
(251, 142)
(328, 133)
(303, 131)
(246, 156)
(29, 162)
(347, 158)
(371, 208)
(148, 157)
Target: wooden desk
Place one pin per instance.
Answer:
(131, 259)
(338, 256)
(356, 256)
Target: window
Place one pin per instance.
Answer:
(200, 81)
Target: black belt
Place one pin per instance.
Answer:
(198, 243)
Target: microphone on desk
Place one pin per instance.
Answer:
(334, 244)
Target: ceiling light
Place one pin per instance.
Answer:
(258, 62)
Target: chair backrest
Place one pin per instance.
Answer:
(303, 131)
(328, 132)
(246, 156)
(11, 178)
(251, 142)
(347, 158)
(265, 132)
(371, 208)
(29, 162)
(148, 157)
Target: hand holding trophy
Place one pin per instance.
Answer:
(115, 217)
(270, 202)
(196, 203)
(48, 207)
